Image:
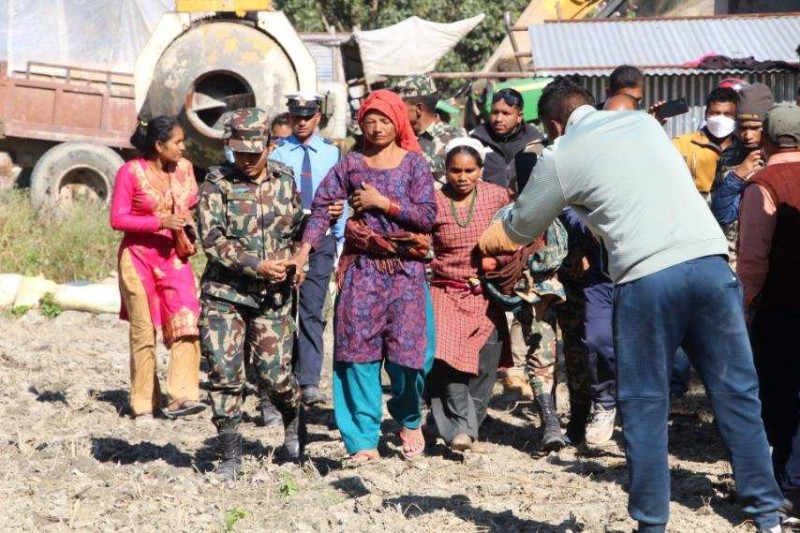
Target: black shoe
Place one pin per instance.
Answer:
(311, 395)
(576, 427)
(230, 467)
(269, 414)
(295, 434)
(553, 438)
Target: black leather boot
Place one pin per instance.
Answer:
(269, 413)
(230, 442)
(553, 437)
(295, 434)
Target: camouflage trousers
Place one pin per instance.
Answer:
(571, 320)
(227, 333)
(732, 235)
(533, 347)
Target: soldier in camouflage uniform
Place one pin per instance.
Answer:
(543, 295)
(420, 96)
(534, 304)
(249, 220)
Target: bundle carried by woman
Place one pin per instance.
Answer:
(530, 273)
(387, 251)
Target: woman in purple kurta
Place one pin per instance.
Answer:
(381, 314)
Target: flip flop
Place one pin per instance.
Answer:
(183, 408)
(407, 438)
(364, 456)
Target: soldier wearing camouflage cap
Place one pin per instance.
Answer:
(420, 96)
(769, 262)
(249, 218)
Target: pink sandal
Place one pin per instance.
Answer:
(413, 442)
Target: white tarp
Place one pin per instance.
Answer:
(412, 46)
(101, 34)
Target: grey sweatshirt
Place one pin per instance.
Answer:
(625, 179)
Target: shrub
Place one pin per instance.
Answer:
(81, 246)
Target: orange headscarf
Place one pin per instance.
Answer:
(393, 107)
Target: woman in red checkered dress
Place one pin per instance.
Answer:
(468, 325)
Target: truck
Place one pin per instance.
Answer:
(67, 128)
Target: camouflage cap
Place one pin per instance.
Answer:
(248, 130)
(415, 86)
(782, 124)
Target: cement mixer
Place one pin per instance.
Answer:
(67, 126)
(200, 67)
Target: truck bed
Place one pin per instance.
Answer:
(59, 103)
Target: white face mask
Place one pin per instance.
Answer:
(720, 126)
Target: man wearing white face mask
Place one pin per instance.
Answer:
(714, 148)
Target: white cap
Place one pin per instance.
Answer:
(471, 142)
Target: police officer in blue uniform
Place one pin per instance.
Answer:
(311, 156)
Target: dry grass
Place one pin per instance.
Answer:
(71, 460)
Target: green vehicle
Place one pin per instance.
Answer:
(531, 90)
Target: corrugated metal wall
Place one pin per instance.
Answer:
(324, 57)
(695, 87)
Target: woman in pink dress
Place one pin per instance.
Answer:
(469, 326)
(153, 199)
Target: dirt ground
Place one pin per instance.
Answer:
(72, 459)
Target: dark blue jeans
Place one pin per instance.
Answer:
(696, 304)
(313, 291)
(681, 374)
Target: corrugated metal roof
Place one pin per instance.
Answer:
(659, 46)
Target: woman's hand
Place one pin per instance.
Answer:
(173, 222)
(335, 210)
(369, 198)
(274, 271)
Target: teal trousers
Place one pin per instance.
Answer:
(357, 394)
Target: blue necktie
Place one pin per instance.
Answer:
(306, 183)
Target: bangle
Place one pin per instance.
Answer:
(394, 209)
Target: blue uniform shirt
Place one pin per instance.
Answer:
(323, 154)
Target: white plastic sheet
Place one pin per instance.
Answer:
(101, 34)
(412, 46)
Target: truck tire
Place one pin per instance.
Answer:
(71, 171)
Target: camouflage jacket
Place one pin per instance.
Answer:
(433, 140)
(242, 222)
